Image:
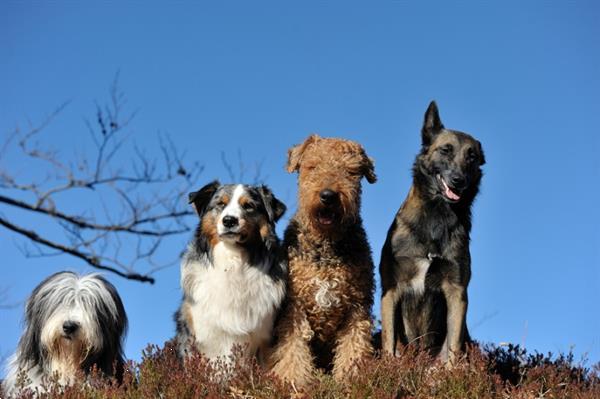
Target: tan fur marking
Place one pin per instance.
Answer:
(209, 227)
(264, 229)
(243, 200)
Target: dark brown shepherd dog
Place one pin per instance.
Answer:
(425, 262)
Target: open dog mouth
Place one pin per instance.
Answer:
(448, 192)
(233, 236)
(326, 217)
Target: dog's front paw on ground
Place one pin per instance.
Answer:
(294, 374)
(347, 373)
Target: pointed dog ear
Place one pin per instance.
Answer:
(432, 124)
(200, 199)
(275, 208)
(295, 153)
(481, 155)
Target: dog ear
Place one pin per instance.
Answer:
(368, 168)
(117, 322)
(200, 199)
(432, 125)
(275, 208)
(481, 155)
(29, 343)
(295, 153)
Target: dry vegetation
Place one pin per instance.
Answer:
(488, 372)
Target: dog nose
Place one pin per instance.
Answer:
(327, 196)
(230, 221)
(69, 327)
(458, 182)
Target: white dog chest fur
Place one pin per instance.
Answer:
(417, 283)
(233, 302)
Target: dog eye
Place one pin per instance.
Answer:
(248, 207)
(220, 204)
(447, 150)
(471, 157)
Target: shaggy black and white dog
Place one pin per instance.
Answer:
(72, 323)
(233, 273)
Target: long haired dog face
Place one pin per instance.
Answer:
(330, 172)
(72, 323)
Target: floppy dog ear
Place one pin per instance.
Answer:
(368, 169)
(481, 155)
(275, 208)
(200, 199)
(29, 343)
(295, 153)
(116, 322)
(432, 124)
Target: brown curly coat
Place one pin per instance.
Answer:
(327, 320)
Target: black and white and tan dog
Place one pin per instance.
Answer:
(425, 262)
(72, 323)
(233, 272)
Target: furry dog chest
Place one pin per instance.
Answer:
(231, 301)
(325, 290)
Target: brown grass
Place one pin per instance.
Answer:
(484, 372)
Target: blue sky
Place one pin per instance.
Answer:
(259, 77)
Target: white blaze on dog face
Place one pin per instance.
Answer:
(233, 210)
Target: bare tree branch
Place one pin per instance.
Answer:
(91, 260)
(128, 227)
(114, 209)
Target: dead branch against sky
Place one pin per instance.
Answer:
(137, 202)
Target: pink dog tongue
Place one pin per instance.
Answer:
(325, 218)
(449, 193)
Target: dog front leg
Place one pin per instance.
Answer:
(389, 302)
(353, 344)
(291, 359)
(457, 301)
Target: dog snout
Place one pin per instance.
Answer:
(458, 182)
(230, 221)
(70, 327)
(328, 196)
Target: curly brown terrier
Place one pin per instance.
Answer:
(327, 320)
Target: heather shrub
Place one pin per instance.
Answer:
(483, 372)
